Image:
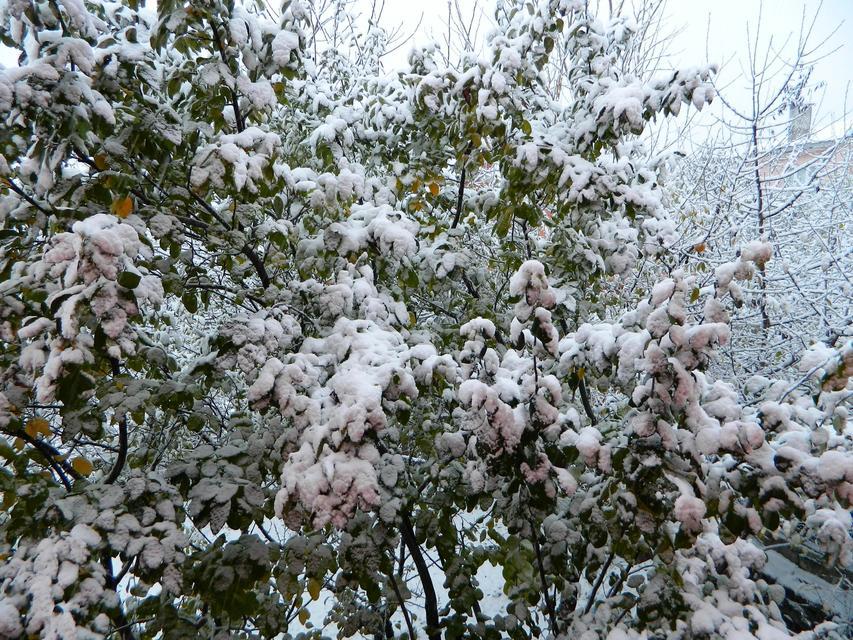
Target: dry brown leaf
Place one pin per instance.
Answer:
(123, 207)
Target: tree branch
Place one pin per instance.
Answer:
(459, 198)
(258, 264)
(597, 584)
(25, 195)
(122, 435)
(253, 257)
(123, 626)
(587, 407)
(430, 601)
(402, 606)
(50, 454)
(53, 457)
(235, 100)
(549, 603)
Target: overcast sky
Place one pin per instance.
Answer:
(728, 25)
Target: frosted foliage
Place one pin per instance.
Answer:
(42, 592)
(237, 159)
(80, 271)
(294, 344)
(336, 391)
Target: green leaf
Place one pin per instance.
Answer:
(314, 587)
(503, 223)
(190, 301)
(129, 279)
(72, 387)
(195, 422)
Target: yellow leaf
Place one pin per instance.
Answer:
(82, 466)
(314, 587)
(303, 616)
(37, 426)
(123, 207)
(433, 188)
(699, 248)
(101, 162)
(416, 184)
(19, 444)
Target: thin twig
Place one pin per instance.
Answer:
(402, 606)
(549, 604)
(597, 584)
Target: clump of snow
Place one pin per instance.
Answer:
(531, 284)
(689, 511)
(81, 270)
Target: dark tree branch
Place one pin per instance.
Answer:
(459, 198)
(765, 317)
(549, 603)
(250, 253)
(122, 452)
(620, 581)
(25, 195)
(235, 100)
(402, 606)
(122, 435)
(430, 601)
(53, 457)
(125, 569)
(258, 264)
(597, 584)
(50, 455)
(122, 625)
(253, 257)
(587, 407)
(401, 560)
(472, 291)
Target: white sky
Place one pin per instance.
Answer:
(727, 23)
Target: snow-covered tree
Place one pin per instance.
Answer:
(278, 328)
(766, 176)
